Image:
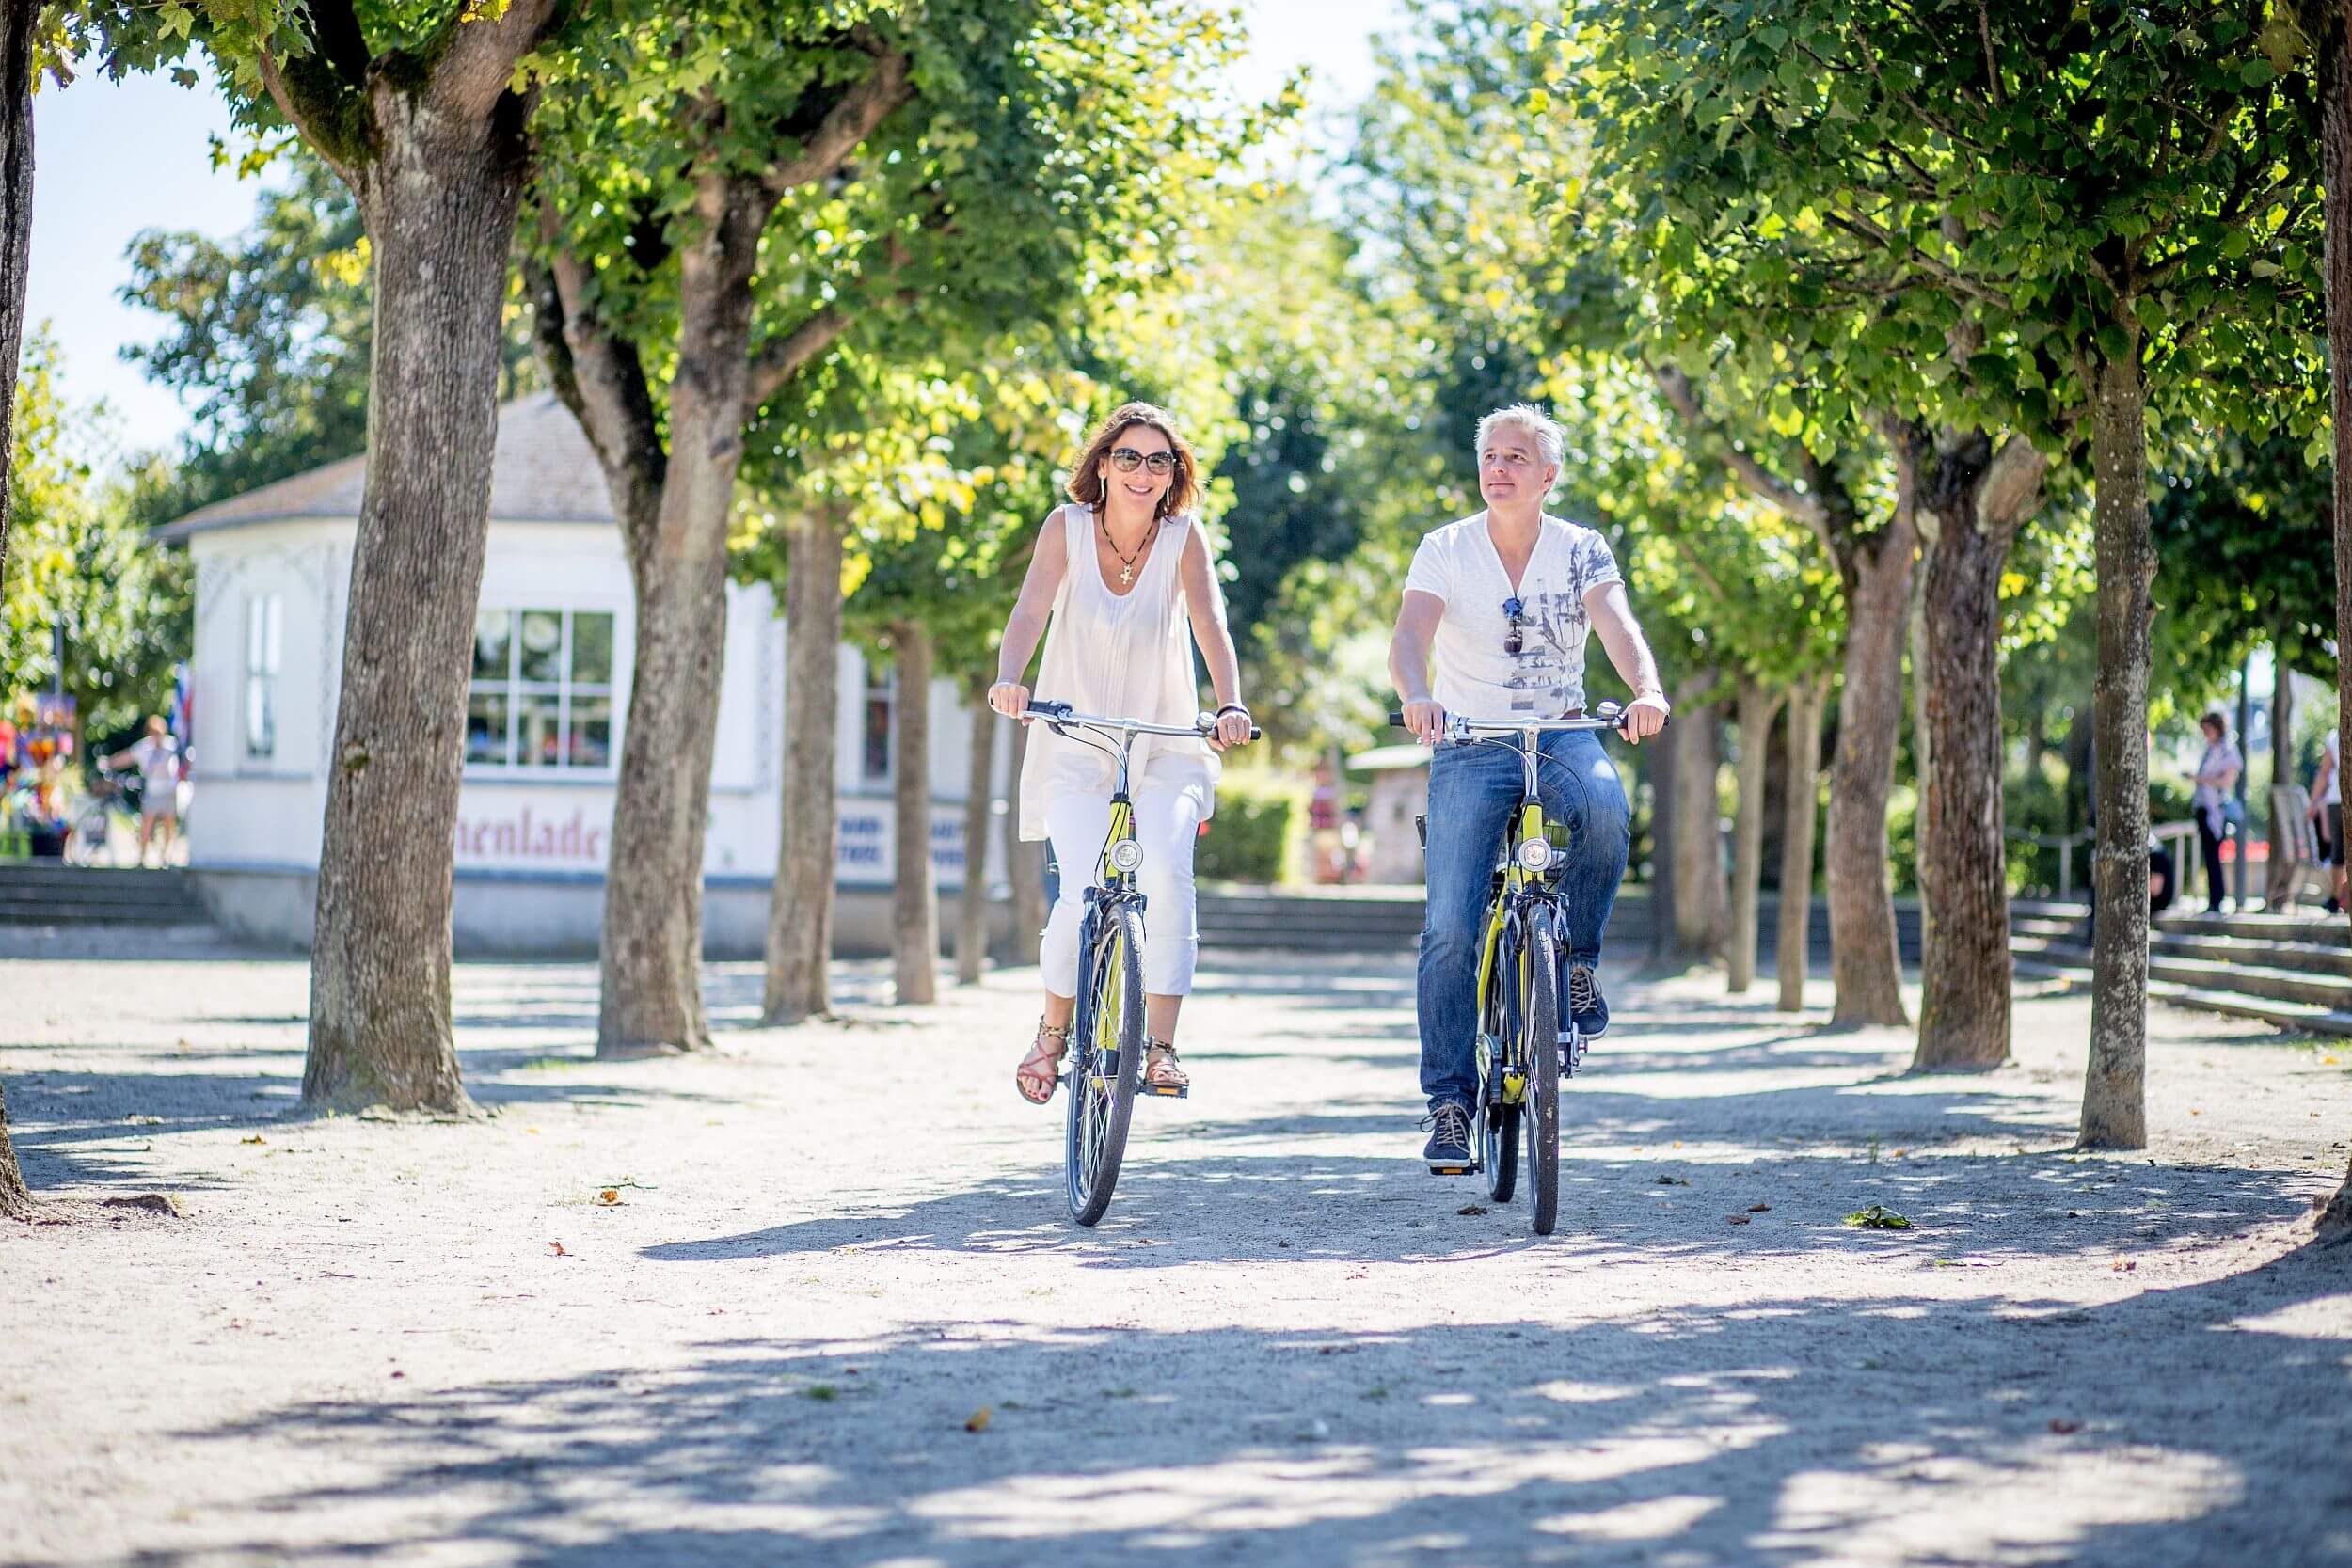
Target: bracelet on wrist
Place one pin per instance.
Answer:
(1232, 707)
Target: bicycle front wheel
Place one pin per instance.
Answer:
(1106, 1063)
(1497, 1115)
(1539, 1016)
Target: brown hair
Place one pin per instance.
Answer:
(1183, 487)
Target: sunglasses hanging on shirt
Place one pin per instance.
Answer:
(1512, 640)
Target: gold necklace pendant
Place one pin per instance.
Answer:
(1126, 574)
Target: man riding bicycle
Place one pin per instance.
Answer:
(1507, 598)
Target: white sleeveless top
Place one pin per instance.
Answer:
(1122, 656)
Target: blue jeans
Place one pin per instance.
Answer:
(1473, 791)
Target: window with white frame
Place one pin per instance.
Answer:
(265, 649)
(542, 693)
(881, 688)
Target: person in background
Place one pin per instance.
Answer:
(2215, 778)
(157, 757)
(2326, 813)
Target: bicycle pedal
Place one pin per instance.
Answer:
(1453, 1170)
(1163, 1091)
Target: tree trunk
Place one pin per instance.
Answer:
(2332, 29)
(800, 913)
(914, 884)
(1757, 706)
(1864, 962)
(2281, 770)
(1661, 761)
(2115, 1091)
(16, 236)
(651, 1002)
(1794, 937)
(1965, 973)
(439, 196)
(653, 901)
(1024, 866)
(980, 802)
(1699, 914)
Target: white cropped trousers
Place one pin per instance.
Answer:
(1168, 821)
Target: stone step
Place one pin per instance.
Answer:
(50, 895)
(2038, 925)
(2295, 1017)
(16, 911)
(2331, 929)
(2309, 957)
(2262, 981)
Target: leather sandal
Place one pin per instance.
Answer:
(1162, 1077)
(1040, 1066)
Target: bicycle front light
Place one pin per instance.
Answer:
(1126, 855)
(1536, 854)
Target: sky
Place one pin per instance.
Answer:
(112, 159)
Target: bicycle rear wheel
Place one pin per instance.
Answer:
(1106, 1061)
(1539, 1035)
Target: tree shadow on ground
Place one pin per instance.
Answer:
(1966, 1212)
(79, 1128)
(1777, 1430)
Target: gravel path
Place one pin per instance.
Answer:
(839, 1249)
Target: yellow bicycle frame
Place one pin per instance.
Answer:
(1122, 827)
(1515, 879)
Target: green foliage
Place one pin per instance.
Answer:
(2245, 540)
(1259, 833)
(1833, 193)
(1460, 147)
(78, 559)
(268, 340)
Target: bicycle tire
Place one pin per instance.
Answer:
(1498, 1123)
(1109, 1021)
(1540, 1018)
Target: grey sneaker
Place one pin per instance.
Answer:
(1587, 1008)
(1448, 1150)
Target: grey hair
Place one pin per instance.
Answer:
(1549, 438)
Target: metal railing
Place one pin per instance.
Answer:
(2181, 836)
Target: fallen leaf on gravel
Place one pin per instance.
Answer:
(1472, 1209)
(978, 1419)
(1672, 1182)
(1739, 1219)
(1759, 1208)
(559, 1250)
(2125, 1266)
(2061, 1426)
(1877, 1217)
(608, 1198)
(257, 1138)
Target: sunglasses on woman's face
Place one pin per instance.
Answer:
(1512, 641)
(1127, 460)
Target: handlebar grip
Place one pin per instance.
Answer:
(1256, 734)
(1396, 718)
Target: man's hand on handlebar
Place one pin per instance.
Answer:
(1644, 717)
(1426, 719)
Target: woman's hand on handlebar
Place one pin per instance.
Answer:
(1426, 719)
(1233, 728)
(1010, 698)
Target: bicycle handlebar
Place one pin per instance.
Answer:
(1608, 716)
(1061, 713)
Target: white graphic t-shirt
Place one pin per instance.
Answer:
(1476, 674)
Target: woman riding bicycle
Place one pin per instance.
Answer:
(1109, 570)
